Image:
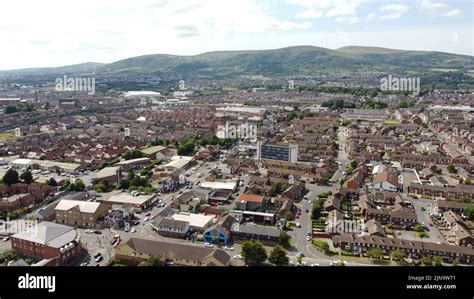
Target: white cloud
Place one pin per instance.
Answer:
(349, 20)
(370, 16)
(340, 10)
(310, 14)
(438, 9)
(399, 8)
(393, 11)
(453, 13)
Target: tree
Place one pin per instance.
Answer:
(26, 177)
(423, 235)
(78, 185)
(254, 253)
(278, 256)
(455, 263)
(345, 122)
(354, 164)
(316, 209)
(375, 253)
(133, 154)
(277, 188)
(289, 216)
(398, 255)
(151, 262)
(418, 228)
(426, 260)
(451, 168)
(469, 212)
(52, 182)
(7, 255)
(325, 248)
(437, 260)
(11, 109)
(299, 259)
(284, 240)
(11, 177)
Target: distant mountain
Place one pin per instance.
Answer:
(86, 67)
(285, 62)
(292, 61)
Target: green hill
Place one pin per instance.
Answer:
(285, 62)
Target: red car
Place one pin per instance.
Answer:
(297, 216)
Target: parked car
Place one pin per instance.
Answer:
(298, 224)
(98, 258)
(238, 257)
(6, 239)
(230, 248)
(208, 245)
(133, 230)
(148, 214)
(308, 238)
(97, 232)
(89, 231)
(300, 254)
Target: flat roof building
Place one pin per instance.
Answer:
(198, 222)
(219, 185)
(284, 152)
(139, 202)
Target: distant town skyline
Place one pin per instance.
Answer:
(56, 33)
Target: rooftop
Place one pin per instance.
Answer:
(48, 233)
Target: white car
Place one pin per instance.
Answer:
(314, 265)
(6, 239)
(89, 231)
(146, 218)
(298, 224)
(238, 257)
(208, 245)
(308, 238)
(133, 230)
(230, 248)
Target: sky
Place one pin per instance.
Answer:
(50, 33)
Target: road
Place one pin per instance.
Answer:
(299, 235)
